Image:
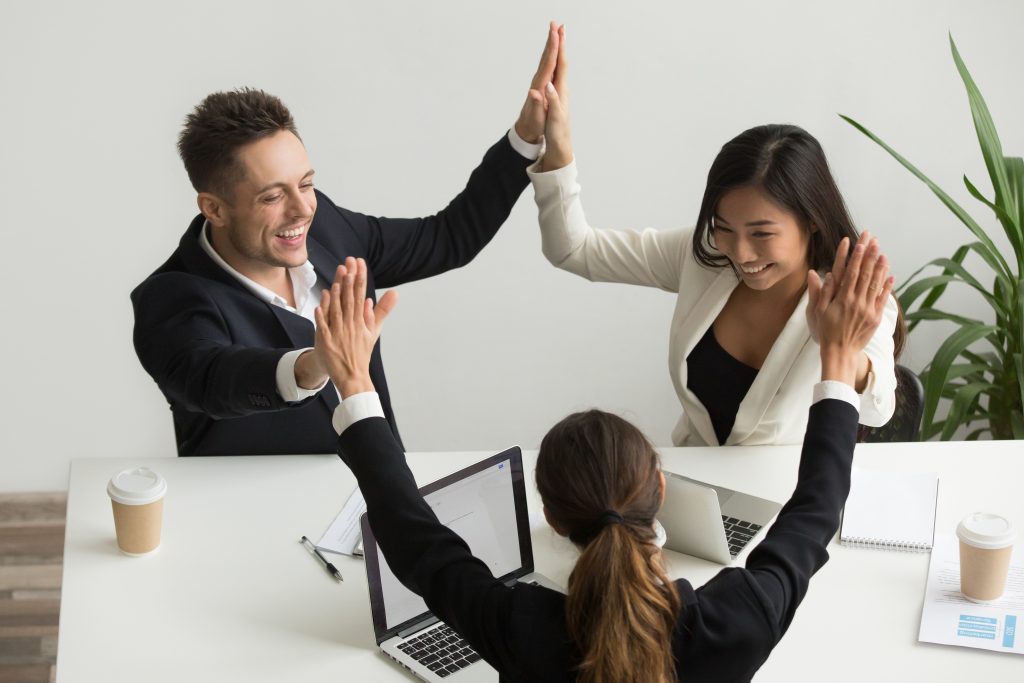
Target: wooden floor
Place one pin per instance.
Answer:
(31, 552)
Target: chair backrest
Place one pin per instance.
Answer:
(905, 424)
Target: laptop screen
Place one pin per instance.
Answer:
(485, 504)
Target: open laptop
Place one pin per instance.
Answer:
(711, 522)
(485, 504)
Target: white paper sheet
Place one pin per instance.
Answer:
(343, 535)
(948, 618)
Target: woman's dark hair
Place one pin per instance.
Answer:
(789, 165)
(599, 479)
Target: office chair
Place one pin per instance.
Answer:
(905, 424)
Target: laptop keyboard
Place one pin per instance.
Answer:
(738, 533)
(441, 650)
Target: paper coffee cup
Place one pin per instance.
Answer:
(137, 497)
(986, 543)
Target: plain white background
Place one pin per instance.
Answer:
(396, 102)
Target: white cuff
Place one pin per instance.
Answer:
(526, 149)
(287, 387)
(841, 391)
(355, 408)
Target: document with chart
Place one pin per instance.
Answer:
(948, 618)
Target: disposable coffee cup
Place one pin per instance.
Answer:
(137, 496)
(986, 543)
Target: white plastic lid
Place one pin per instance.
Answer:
(136, 486)
(986, 530)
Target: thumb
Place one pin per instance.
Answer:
(555, 103)
(813, 289)
(386, 304)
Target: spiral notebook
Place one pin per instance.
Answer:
(890, 510)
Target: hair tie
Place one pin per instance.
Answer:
(590, 533)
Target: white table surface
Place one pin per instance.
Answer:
(233, 595)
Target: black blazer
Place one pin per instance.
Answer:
(213, 348)
(727, 627)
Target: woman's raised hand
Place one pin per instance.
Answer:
(530, 124)
(557, 133)
(845, 308)
(348, 325)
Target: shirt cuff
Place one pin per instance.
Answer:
(287, 387)
(526, 149)
(841, 391)
(355, 408)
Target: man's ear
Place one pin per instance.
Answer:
(215, 209)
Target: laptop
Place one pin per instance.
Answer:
(485, 504)
(711, 522)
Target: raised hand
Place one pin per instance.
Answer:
(348, 325)
(530, 125)
(845, 309)
(557, 131)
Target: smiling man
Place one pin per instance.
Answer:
(226, 327)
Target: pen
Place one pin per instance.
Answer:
(331, 569)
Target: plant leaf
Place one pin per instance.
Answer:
(1010, 225)
(962, 401)
(957, 210)
(938, 369)
(1015, 174)
(936, 314)
(988, 138)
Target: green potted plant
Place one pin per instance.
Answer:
(979, 368)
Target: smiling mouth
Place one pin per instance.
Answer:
(754, 270)
(291, 234)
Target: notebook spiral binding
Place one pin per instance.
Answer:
(887, 544)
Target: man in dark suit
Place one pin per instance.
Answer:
(225, 326)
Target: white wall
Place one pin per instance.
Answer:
(396, 102)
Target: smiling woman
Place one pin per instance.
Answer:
(742, 354)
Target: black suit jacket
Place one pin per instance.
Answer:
(213, 347)
(727, 627)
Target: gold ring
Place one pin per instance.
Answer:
(874, 287)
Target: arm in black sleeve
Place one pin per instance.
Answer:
(184, 343)
(794, 547)
(426, 556)
(400, 250)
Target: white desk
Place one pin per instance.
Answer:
(232, 595)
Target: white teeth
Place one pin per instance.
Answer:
(288, 234)
(751, 271)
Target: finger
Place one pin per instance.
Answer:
(879, 276)
(561, 72)
(813, 290)
(848, 285)
(828, 292)
(360, 284)
(548, 58)
(867, 270)
(334, 317)
(886, 292)
(556, 109)
(384, 307)
(842, 253)
(320, 314)
(347, 286)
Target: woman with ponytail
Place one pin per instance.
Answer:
(622, 620)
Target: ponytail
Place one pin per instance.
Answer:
(621, 609)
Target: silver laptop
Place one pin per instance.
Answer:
(486, 505)
(711, 522)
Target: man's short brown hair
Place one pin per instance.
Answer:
(221, 124)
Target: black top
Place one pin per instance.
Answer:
(719, 381)
(213, 347)
(727, 627)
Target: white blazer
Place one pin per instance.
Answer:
(774, 410)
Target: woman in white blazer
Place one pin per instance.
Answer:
(741, 353)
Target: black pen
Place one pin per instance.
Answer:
(327, 565)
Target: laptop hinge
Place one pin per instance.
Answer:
(429, 621)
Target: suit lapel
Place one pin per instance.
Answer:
(781, 358)
(698, 320)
